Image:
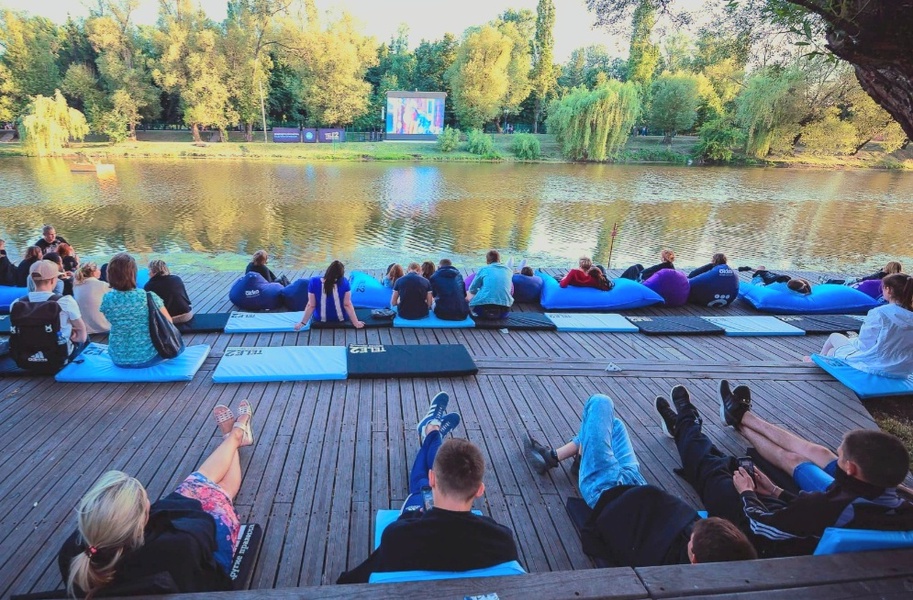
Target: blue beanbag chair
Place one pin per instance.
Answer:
(94, 365)
(142, 278)
(295, 294)
(367, 292)
(872, 288)
(526, 288)
(825, 299)
(625, 294)
(672, 285)
(8, 294)
(717, 287)
(252, 292)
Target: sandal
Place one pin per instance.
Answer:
(223, 415)
(247, 437)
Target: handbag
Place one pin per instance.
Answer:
(165, 336)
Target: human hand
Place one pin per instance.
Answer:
(298, 326)
(763, 484)
(743, 481)
(358, 324)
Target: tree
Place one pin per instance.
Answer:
(479, 76)
(769, 110)
(28, 51)
(432, 60)
(48, 124)
(518, 69)
(594, 124)
(829, 135)
(7, 94)
(870, 120)
(674, 103)
(643, 55)
(543, 78)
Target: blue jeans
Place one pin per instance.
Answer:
(424, 460)
(607, 458)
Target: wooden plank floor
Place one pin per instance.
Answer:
(328, 455)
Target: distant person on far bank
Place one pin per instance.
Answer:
(412, 294)
(170, 288)
(258, 265)
(449, 292)
(49, 239)
(638, 273)
(489, 295)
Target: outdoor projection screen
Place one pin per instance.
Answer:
(416, 116)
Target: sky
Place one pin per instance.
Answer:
(429, 19)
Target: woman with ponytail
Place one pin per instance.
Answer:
(88, 292)
(885, 342)
(181, 543)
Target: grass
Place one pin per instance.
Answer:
(895, 417)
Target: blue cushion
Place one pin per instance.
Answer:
(825, 299)
(501, 570)
(368, 292)
(592, 322)
(142, 278)
(252, 292)
(285, 363)
(8, 294)
(295, 294)
(248, 322)
(432, 322)
(837, 540)
(754, 326)
(94, 365)
(717, 287)
(864, 384)
(625, 294)
(672, 285)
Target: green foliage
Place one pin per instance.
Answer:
(478, 142)
(543, 76)
(518, 69)
(594, 125)
(829, 135)
(28, 51)
(643, 55)
(48, 124)
(718, 139)
(585, 66)
(449, 140)
(525, 146)
(769, 110)
(479, 75)
(674, 103)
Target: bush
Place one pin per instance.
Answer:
(526, 146)
(717, 138)
(449, 140)
(480, 143)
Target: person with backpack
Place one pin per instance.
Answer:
(46, 329)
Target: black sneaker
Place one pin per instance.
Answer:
(733, 404)
(667, 416)
(681, 398)
(539, 457)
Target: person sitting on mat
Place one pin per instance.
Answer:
(64, 285)
(49, 239)
(638, 273)
(889, 269)
(633, 524)
(394, 272)
(68, 257)
(330, 298)
(885, 342)
(854, 488)
(762, 276)
(89, 290)
(716, 260)
(489, 294)
(449, 292)
(32, 255)
(527, 286)
(258, 265)
(170, 288)
(445, 536)
(427, 269)
(122, 540)
(7, 269)
(412, 294)
(127, 309)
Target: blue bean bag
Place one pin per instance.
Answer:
(8, 294)
(872, 288)
(251, 292)
(526, 288)
(295, 294)
(625, 294)
(825, 299)
(717, 287)
(142, 278)
(672, 285)
(368, 292)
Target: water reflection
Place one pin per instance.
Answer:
(214, 214)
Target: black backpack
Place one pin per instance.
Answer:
(36, 343)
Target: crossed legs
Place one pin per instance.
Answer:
(782, 448)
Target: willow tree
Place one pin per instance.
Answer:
(769, 109)
(594, 124)
(48, 125)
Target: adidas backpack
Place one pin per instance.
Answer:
(36, 343)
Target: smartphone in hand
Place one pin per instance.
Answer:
(746, 463)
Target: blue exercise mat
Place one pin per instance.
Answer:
(248, 322)
(284, 363)
(864, 384)
(93, 365)
(432, 322)
(824, 323)
(837, 540)
(5, 324)
(754, 326)
(205, 323)
(8, 294)
(592, 322)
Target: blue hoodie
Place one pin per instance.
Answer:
(449, 293)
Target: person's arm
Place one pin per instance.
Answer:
(566, 280)
(700, 270)
(394, 299)
(362, 572)
(429, 300)
(868, 333)
(350, 310)
(308, 311)
(79, 333)
(164, 311)
(878, 275)
(782, 517)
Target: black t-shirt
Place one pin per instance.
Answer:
(263, 270)
(413, 295)
(171, 290)
(438, 540)
(50, 246)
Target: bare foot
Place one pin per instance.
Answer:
(807, 359)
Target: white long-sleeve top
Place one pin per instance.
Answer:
(885, 343)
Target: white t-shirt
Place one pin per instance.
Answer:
(69, 311)
(88, 296)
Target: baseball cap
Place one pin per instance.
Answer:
(43, 270)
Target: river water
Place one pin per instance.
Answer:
(214, 214)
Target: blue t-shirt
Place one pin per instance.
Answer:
(329, 308)
(413, 295)
(527, 288)
(129, 342)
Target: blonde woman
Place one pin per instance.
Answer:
(170, 288)
(638, 273)
(122, 542)
(88, 292)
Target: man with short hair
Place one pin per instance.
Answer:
(489, 294)
(49, 239)
(633, 524)
(855, 488)
(44, 274)
(449, 292)
(412, 294)
(447, 536)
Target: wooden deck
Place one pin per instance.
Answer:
(330, 454)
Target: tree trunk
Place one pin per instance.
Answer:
(131, 127)
(195, 130)
(537, 112)
(249, 132)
